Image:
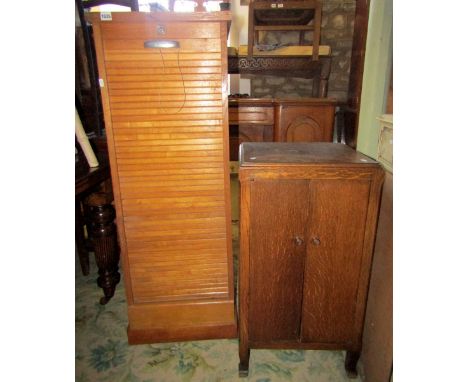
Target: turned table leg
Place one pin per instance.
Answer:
(351, 361)
(102, 230)
(80, 239)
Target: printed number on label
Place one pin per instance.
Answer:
(106, 16)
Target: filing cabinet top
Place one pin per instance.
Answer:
(136, 17)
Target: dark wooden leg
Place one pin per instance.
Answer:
(244, 356)
(339, 125)
(351, 361)
(324, 75)
(301, 37)
(102, 230)
(83, 254)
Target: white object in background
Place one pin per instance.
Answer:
(385, 148)
(234, 83)
(84, 142)
(244, 85)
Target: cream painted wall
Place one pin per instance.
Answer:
(377, 68)
(239, 25)
(238, 36)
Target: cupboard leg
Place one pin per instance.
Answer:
(244, 356)
(351, 361)
(104, 236)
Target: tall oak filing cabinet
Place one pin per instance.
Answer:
(164, 89)
(308, 221)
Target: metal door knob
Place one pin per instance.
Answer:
(315, 241)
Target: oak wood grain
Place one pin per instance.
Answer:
(166, 117)
(338, 220)
(302, 123)
(129, 45)
(251, 115)
(332, 202)
(277, 235)
(377, 338)
(280, 120)
(183, 313)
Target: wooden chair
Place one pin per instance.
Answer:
(285, 15)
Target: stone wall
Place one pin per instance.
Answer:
(337, 31)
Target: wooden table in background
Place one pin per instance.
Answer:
(94, 209)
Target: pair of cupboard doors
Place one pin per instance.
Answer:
(308, 220)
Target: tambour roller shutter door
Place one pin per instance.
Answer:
(168, 136)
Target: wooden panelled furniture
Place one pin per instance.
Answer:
(279, 120)
(377, 337)
(307, 231)
(164, 90)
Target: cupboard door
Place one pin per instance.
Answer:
(277, 252)
(167, 134)
(333, 265)
(305, 124)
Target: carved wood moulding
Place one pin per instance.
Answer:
(290, 66)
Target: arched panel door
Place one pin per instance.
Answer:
(304, 121)
(303, 129)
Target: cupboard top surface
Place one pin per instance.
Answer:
(253, 154)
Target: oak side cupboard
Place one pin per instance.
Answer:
(307, 230)
(164, 90)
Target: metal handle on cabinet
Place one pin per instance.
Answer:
(161, 44)
(298, 240)
(315, 241)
